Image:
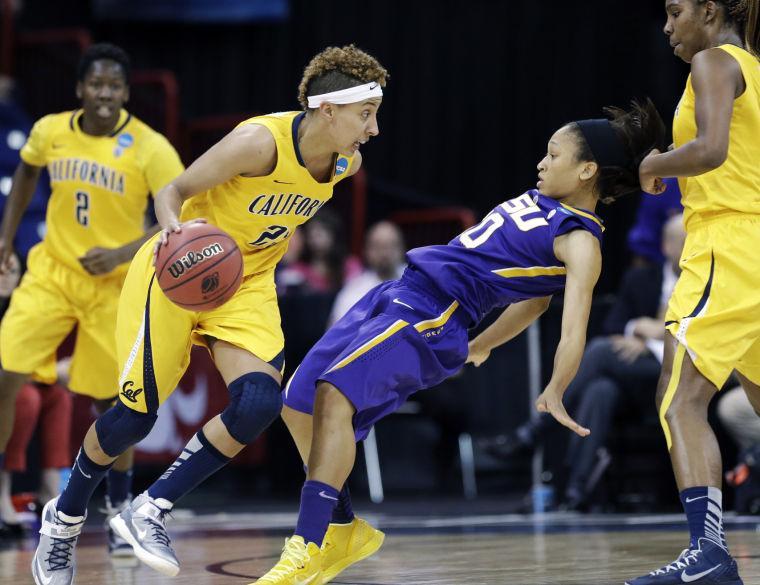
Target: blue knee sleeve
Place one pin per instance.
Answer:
(120, 427)
(255, 401)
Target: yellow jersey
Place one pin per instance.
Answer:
(261, 213)
(99, 184)
(734, 185)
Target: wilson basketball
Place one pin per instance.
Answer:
(199, 268)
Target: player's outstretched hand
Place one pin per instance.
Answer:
(476, 356)
(650, 182)
(101, 260)
(551, 403)
(173, 227)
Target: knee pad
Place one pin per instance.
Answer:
(120, 427)
(255, 401)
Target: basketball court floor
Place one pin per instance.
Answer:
(441, 548)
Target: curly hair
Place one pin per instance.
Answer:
(103, 51)
(745, 14)
(640, 129)
(338, 68)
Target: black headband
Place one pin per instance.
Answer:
(605, 145)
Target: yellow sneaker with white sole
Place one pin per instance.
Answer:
(346, 544)
(300, 564)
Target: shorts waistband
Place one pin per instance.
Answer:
(428, 287)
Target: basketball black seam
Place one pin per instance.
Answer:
(209, 267)
(193, 240)
(220, 295)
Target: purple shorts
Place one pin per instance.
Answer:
(401, 337)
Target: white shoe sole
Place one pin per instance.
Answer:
(154, 562)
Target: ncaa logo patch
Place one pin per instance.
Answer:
(341, 165)
(125, 140)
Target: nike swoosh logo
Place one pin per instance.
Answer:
(141, 534)
(371, 87)
(57, 146)
(306, 581)
(686, 578)
(41, 574)
(398, 302)
(82, 471)
(324, 495)
(690, 500)
(284, 182)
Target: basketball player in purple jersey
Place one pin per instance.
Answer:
(411, 333)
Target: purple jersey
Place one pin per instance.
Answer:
(508, 257)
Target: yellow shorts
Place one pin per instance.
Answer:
(715, 307)
(154, 336)
(51, 300)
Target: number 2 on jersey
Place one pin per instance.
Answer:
(516, 208)
(83, 208)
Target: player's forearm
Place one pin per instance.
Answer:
(24, 183)
(567, 359)
(168, 205)
(693, 158)
(128, 251)
(513, 321)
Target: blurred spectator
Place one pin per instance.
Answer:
(739, 418)
(14, 128)
(325, 264)
(622, 366)
(645, 237)
(286, 276)
(384, 258)
(50, 408)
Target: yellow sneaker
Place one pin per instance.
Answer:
(346, 544)
(300, 564)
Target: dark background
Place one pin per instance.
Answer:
(476, 87)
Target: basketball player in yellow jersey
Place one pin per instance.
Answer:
(269, 175)
(714, 313)
(103, 164)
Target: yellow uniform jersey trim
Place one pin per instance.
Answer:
(586, 214)
(531, 271)
(376, 340)
(100, 185)
(439, 321)
(734, 185)
(675, 378)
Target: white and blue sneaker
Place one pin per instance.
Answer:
(53, 562)
(143, 525)
(710, 564)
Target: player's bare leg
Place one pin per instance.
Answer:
(694, 449)
(683, 397)
(333, 444)
(301, 428)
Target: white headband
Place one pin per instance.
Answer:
(351, 95)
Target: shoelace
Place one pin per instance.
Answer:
(685, 559)
(60, 553)
(159, 527)
(294, 556)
